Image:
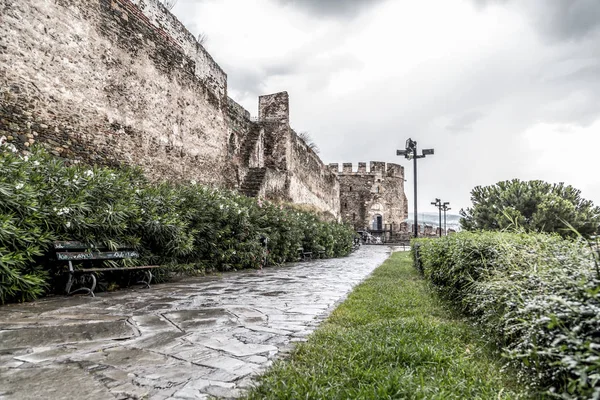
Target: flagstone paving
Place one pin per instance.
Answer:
(190, 339)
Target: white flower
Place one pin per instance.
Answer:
(26, 158)
(193, 182)
(64, 210)
(36, 163)
(68, 224)
(19, 186)
(89, 173)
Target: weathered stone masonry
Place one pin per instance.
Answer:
(117, 82)
(374, 199)
(112, 82)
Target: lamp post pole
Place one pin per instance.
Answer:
(445, 208)
(416, 224)
(409, 152)
(438, 204)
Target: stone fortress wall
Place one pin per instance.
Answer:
(372, 199)
(118, 82)
(113, 82)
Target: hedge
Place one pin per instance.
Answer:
(537, 295)
(182, 226)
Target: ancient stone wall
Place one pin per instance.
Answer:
(123, 82)
(244, 141)
(113, 82)
(308, 179)
(367, 194)
(274, 107)
(311, 181)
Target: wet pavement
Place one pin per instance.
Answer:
(192, 339)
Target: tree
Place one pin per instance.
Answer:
(307, 139)
(534, 205)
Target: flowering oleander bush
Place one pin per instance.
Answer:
(184, 226)
(538, 295)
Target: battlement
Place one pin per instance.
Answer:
(375, 168)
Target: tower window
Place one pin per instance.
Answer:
(353, 216)
(346, 205)
(350, 189)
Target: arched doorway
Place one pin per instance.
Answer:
(377, 222)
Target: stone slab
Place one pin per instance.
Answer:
(59, 334)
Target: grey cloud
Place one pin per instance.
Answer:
(251, 80)
(557, 20)
(569, 19)
(332, 8)
(464, 122)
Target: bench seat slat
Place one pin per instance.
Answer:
(108, 255)
(85, 270)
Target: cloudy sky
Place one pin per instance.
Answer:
(500, 89)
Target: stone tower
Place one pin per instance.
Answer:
(372, 200)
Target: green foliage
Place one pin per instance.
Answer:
(391, 339)
(538, 295)
(536, 205)
(186, 227)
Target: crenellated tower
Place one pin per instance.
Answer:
(372, 199)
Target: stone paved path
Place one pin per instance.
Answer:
(190, 339)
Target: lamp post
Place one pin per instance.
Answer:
(445, 208)
(409, 152)
(438, 204)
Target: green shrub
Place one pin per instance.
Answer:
(538, 295)
(185, 227)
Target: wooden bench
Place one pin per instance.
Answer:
(304, 255)
(77, 251)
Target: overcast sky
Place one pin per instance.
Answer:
(500, 89)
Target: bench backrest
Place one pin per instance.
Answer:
(79, 251)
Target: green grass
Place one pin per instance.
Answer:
(392, 338)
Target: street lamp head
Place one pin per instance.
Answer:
(401, 152)
(427, 152)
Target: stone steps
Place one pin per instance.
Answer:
(253, 182)
(249, 144)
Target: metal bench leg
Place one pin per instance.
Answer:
(69, 282)
(89, 291)
(146, 282)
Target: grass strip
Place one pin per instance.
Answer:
(392, 338)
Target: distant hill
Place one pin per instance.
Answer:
(432, 218)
